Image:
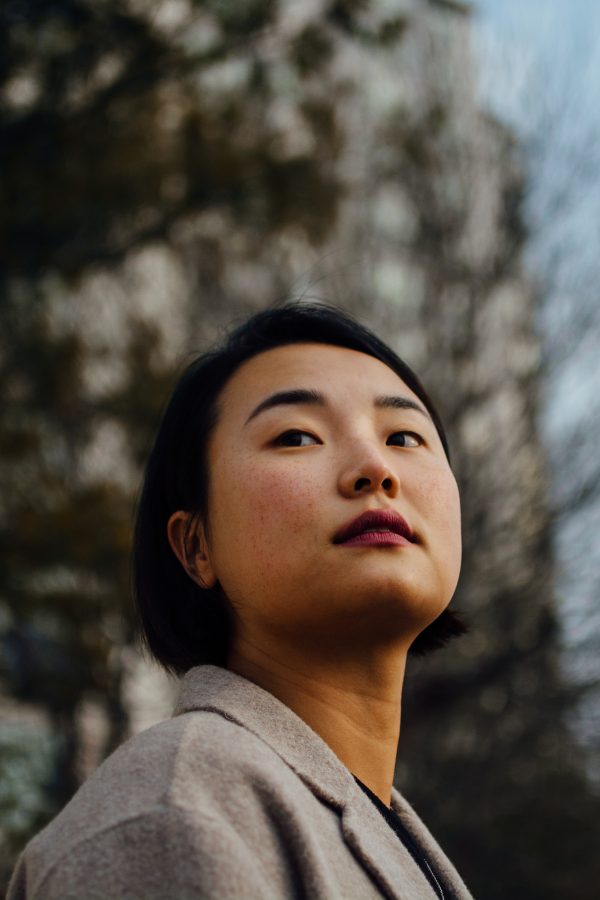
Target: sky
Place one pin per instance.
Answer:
(504, 14)
(562, 37)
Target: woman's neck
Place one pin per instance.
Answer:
(353, 704)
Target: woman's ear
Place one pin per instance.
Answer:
(193, 552)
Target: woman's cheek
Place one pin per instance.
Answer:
(435, 494)
(286, 496)
(262, 507)
(263, 535)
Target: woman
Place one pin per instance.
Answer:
(298, 534)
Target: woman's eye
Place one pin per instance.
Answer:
(403, 439)
(296, 439)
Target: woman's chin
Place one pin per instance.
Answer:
(384, 608)
(397, 588)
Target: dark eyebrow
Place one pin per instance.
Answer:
(388, 402)
(287, 398)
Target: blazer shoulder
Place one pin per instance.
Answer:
(178, 771)
(200, 753)
(199, 779)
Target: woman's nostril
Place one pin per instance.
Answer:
(361, 483)
(386, 484)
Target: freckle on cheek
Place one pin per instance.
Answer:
(283, 499)
(437, 493)
(430, 486)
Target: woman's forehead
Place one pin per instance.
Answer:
(330, 369)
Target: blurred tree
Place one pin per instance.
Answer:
(543, 82)
(168, 166)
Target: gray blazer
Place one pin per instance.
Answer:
(234, 798)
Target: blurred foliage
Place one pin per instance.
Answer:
(27, 770)
(208, 129)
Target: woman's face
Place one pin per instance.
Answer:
(308, 438)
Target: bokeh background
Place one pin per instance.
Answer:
(169, 167)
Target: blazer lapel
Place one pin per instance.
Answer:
(381, 852)
(453, 886)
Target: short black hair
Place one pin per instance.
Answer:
(182, 624)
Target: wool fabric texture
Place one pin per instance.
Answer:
(234, 798)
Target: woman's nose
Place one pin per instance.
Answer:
(367, 473)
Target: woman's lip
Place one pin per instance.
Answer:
(379, 538)
(382, 526)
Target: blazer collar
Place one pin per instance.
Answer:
(372, 841)
(241, 701)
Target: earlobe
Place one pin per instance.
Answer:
(193, 552)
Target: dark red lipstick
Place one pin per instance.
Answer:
(383, 527)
